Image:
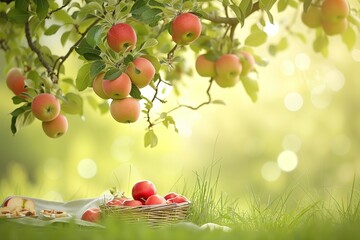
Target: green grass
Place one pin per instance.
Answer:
(278, 218)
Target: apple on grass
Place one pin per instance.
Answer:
(118, 88)
(125, 110)
(91, 215)
(57, 127)
(228, 69)
(185, 28)
(45, 107)
(15, 81)
(121, 37)
(141, 71)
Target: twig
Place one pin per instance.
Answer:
(58, 9)
(60, 61)
(39, 54)
(170, 54)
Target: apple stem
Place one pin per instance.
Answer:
(170, 55)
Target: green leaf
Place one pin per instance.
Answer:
(85, 48)
(96, 68)
(266, 4)
(239, 14)
(256, 38)
(73, 104)
(112, 74)
(135, 92)
(83, 78)
(150, 139)
(320, 45)
(22, 5)
(94, 35)
(63, 17)
(149, 43)
(64, 37)
(52, 29)
(42, 8)
(246, 6)
(18, 100)
(282, 4)
(218, 101)
(270, 16)
(307, 4)
(89, 9)
(349, 38)
(18, 16)
(21, 117)
(251, 87)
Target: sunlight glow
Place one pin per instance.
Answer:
(335, 80)
(287, 161)
(340, 145)
(53, 169)
(271, 29)
(121, 148)
(302, 61)
(53, 196)
(292, 142)
(288, 68)
(87, 168)
(293, 101)
(356, 55)
(270, 171)
(320, 98)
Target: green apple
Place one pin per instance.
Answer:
(45, 107)
(15, 80)
(247, 61)
(205, 67)
(312, 17)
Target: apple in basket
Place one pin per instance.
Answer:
(142, 190)
(132, 203)
(177, 199)
(117, 201)
(170, 195)
(155, 200)
(91, 215)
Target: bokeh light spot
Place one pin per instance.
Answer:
(287, 161)
(302, 61)
(291, 142)
(87, 168)
(335, 80)
(288, 68)
(270, 171)
(121, 148)
(293, 101)
(271, 29)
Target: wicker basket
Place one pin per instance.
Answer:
(153, 215)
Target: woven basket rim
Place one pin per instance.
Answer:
(151, 207)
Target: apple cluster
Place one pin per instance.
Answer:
(331, 15)
(226, 69)
(45, 106)
(140, 72)
(144, 193)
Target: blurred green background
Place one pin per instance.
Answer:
(303, 133)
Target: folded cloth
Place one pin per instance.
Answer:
(74, 208)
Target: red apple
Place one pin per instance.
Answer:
(334, 28)
(228, 68)
(132, 203)
(142, 190)
(121, 37)
(45, 107)
(125, 110)
(178, 199)
(334, 10)
(155, 200)
(170, 195)
(141, 72)
(15, 81)
(205, 67)
(92, 215)
(118, 88)
(57, 127)
(247, 62)
(98, 86)
(185, 28)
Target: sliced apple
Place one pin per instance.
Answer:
(15, 203)
(29, 204)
